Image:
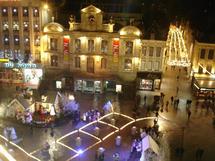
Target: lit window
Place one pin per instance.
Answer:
(53, 44)
(5, 25)
(77, 45)
(15, 11)
(26, 40)
(16, 39)
(91, 47)
(4, 12)
(128, 64)
(54, 60)
(158, 51)
(144, 48)
(202, 54)
(151, 50)
(25, 25)
(103, 63)
(6, 40)
(37, 41)
(128, 47)
(36, 12)
(16, 26)
(104, 46)
(77, 62)
(211, 54)
(36, 27)
(25, 11)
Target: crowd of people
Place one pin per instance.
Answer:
(91, 115)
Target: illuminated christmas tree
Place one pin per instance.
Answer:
(176, 49)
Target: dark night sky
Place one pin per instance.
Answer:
(200, 13)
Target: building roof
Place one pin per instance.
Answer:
(91, 9)
(21, 101)
(53, 27)
(149, 143)
(130, 31)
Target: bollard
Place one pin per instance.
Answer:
(78, 141)
(113, 121)
(118, 140)
(133, 130)
(97, 131)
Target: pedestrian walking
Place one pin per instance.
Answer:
(167, 104)
(172, 99)
(177, 77)
(189, 114)
(144, 99)
(201, 152)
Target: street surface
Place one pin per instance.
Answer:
(175, 127)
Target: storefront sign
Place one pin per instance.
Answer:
(66, 48)
(20, 65)
(115, 50)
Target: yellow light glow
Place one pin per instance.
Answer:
(66, 36)
(46, 6)
(137, 33)
(97, 58)
(115, 38)
(83, 57)
(6, 154)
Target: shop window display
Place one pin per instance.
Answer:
(146, 84)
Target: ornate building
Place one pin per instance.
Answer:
(20, 28)
(97, 57)
(203, 69)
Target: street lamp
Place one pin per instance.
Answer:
(46, 7)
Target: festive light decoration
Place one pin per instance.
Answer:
(99, 140)
(176, 49)
(206, 71)
(81, 130)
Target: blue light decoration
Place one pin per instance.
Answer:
(20, 65)
(80, 151)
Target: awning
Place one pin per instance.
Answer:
(95, 76)
(205, 83)
(149, 75)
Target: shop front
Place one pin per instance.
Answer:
(95, 84)
(21, 74)
(203, 86)
(149, 81)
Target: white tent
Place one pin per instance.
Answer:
(149, 143)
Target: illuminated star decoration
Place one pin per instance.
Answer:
(176, 49)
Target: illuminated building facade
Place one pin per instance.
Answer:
(20, 27)
(203, 69)
(97, 57)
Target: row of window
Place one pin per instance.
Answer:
(210, 55)
(104, 47)
(16, 26)
(103, 65)
(16, 40)
(208, 68)
(15, 11)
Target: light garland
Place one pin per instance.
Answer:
(204, 68)
(81, 130)
(176, 49)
